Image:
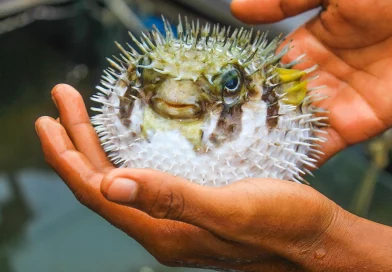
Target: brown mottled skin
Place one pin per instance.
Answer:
(251, 225)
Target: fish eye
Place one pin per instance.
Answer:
(231, 84)
(143, 61)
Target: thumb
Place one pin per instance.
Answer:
(266, 11)
(164, 196)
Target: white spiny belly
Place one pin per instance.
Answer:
(260, 152)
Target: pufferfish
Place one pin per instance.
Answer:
(209, 104)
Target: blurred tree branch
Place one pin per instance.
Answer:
(379, 149)
(125, 15)
(9, 7)
(19, 13)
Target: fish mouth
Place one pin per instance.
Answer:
(175, 110)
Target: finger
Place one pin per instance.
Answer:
(264, 11)
(75, 170)
(166, 197)
(181, 241)
(151, 199)
(77, 123)
(82, 177)
(333, 74)
(60, 153)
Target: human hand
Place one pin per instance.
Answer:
(231, 227)
(351, 41)
(251, 225)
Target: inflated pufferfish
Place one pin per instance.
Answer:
(208, 104)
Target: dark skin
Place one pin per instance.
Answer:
(254, 224)
(351, 41)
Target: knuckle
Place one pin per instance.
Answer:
(168, 204)
(84, 194)
(82, 198)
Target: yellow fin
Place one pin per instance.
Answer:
(296, 93)
(288, 75)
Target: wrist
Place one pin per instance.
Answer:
(349, 243)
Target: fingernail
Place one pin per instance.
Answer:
(39, 123)
(122, 190)
(54, 101)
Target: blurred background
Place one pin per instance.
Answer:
(45, 42)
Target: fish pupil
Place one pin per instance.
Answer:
(232, 84)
